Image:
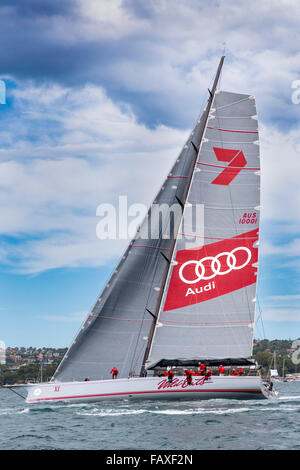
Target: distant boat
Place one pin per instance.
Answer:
(175, 301)
(274, 372)
(292, 378)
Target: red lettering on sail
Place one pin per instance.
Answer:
(236, 160)
(213, 270)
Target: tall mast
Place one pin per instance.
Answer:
(196, 146)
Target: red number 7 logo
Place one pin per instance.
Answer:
(236, 160)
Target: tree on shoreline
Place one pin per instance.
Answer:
(263, 353)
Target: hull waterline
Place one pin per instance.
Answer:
(152, 388)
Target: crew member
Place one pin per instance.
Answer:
(221, 370)
(188, 377)
(208, 374)
(170, 375)
(271, 386)
(87, 379)
(241, 371)
(234, 372)
(114, 373)
(202, 369)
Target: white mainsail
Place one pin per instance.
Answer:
(207, 312)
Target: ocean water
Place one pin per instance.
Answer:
(184, 425)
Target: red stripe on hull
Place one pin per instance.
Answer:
(150, 391)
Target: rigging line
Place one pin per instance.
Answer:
(12, 390)
(260, 316)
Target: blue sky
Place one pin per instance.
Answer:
(101, 96)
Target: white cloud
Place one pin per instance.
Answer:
(280, 164)
(76, 317)
(287, 250)
(108, 19)
(73, 149)
(50, 188)
(282, 308)
(284, 298)
(282, 314)
(173, 52)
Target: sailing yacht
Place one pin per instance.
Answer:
(186, 295)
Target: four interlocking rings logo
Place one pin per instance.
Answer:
(215, 265)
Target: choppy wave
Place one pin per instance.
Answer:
(113, 412)
(110, 412)
(199, 424)
(289, 397)
(13, 411)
